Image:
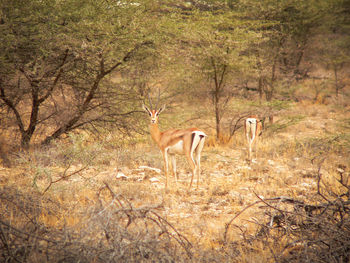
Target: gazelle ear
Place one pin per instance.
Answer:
(161, 109)
(144, 107)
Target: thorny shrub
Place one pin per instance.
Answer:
(114, 231)
(297, 231)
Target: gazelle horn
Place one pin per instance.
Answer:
(158, 99)
(150, 102)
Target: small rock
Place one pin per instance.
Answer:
(154, 180)
(121, 176)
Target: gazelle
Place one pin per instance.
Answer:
(253, 128)
(189, 142)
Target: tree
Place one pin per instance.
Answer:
(286, 26)
(219, 41)
(334, 49)
(58, 65)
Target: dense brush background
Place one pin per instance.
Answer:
(82, 181)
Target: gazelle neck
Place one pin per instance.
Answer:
(155, 132)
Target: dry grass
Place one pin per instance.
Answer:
(68, 185)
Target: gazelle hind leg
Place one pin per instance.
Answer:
(252, 140)
(192, 165)
(198, 161)
(195, 142)
(198, 158)
(250, 125)
(256, 148)
(250, 150)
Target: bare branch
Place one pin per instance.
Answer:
(63, 177)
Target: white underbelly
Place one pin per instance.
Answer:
(177, 148)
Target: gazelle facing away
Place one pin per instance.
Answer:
(253, 128)
(189, 142)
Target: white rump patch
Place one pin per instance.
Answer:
(251, 121)
(197, 144)
(251, 124)
(200, 133)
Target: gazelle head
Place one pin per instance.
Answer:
(153, 114)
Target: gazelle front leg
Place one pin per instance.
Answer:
(173, 164)
(165, 157)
